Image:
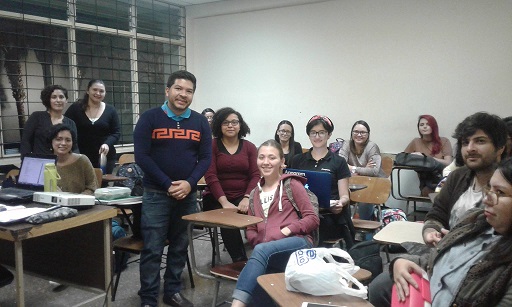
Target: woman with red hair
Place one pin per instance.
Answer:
(430, 144)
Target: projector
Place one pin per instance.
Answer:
(64, 199)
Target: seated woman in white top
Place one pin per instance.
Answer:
(363, 158)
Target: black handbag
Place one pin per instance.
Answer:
(420, 163)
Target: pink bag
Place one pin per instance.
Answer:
(417, 297)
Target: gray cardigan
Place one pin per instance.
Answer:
(371, 151)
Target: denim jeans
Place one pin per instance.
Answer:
(268, 257)
(161, 220)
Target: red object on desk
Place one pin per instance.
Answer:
(417, 297)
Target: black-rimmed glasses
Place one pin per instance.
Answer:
(317, 133)
(233, 123)
(361, 133)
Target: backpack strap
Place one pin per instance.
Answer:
(251, 202)
(289, 193)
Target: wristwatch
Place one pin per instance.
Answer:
(353, 171)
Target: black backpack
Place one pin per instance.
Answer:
(366, 255)
(134, 174)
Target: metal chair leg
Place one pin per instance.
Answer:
(190, 276)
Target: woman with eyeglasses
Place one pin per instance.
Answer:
(363, 158)
(472, 264)
(432, 145)
(336, 222)
(232, 174)
(285, 135)
(208, 113)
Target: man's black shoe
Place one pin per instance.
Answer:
(177, 300)
(6, 276)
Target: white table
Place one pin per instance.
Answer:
(399, 232)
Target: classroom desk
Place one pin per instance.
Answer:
(399, 232)
(75, 251)
(275, 286)
(133, 203)
(226, 218)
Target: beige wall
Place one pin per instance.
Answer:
(382, 61)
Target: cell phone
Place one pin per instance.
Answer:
(309, 304)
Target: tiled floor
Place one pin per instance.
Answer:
(38, 291)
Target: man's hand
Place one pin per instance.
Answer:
(179, 189)
(402, 270)
(432, 236)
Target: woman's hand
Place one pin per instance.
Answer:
(336, 208)
(371, 163)
(286, 231)
(243, 206)
(104, 149)
(402, 270)
(226, 204)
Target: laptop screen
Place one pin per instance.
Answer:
(318, 183)
(32, 169)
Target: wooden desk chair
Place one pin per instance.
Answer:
(126, 158)
(229, 271)
(377, 192)
(99, 176)
(134, 246)
(386, 164)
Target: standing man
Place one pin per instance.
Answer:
(173, 146)
(481, 140)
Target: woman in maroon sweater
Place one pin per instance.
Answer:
(282, 232)
(232, 174)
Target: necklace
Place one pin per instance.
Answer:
(95, 118)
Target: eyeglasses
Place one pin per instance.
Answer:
(209, 117)
(361, 133)
(322, 117)
(492, 197)
(321, 133)
(233, 123)
(286, 132)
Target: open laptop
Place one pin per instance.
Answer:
(318, 183)
(31, 179)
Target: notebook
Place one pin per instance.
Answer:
(317, 182)
(31, 179)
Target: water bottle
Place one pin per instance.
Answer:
(103, 163)
(50, 177)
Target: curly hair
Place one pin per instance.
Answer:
(221, 116)
(46, 94)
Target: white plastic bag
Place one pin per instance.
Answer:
(314, 271)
